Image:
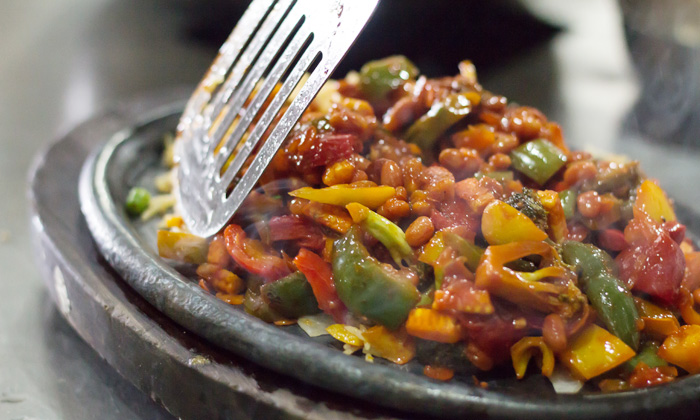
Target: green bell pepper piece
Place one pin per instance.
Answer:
(538, 160)
(609, 297)
(568, 203)
(441, 116)
(290, 296)
(368, 287)
(378, 78)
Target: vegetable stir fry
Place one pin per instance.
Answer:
(431, 219)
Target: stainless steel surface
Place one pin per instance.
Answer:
(83, 55)
(273, 43)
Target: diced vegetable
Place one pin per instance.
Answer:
(528, 203)
(340, 333)
(647, 355)
(137, 201)
(393, 238)
(652, 201)
(595, 351)
(441, 116)
(682, 348)
(290, 296)
(320, 276)
(342, 195)
(181, 246)
(527, 347)
(369, 288)
(501, 223)
(252, 255)
(395, 346)
(379, 78)
(463, 296)
(539, 160)
(657, 320)
(528, 289)
(430, 324)
(568, 203)
(609, 297)
(464, 248)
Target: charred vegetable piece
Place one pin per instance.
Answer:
(539, 160)
(529, 204)
(379, 78)
(609, 297)
(441, 116)
(446, 355)
(368, 287)
(182, 246)
(137, 201)
(342, 195)
(388, 233)
(291, 296)
(254, 304)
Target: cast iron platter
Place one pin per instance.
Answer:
(193, 352)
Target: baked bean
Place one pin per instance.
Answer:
(359, 176)
(401, 193)
(579, 171)
(365, 183)
(394, 209)
(505, 143)
(463, 162)
(554, 332)
(391, 174)
(412, 169)
(588, 204)
(420, 231)
(500, 161)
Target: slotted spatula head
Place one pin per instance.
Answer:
(272, 47)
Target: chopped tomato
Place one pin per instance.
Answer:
(320, 276)
(328, 149)
(654, 263)
(645, 376)
(461, 295)
(252, 255)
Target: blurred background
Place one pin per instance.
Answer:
(620, 76)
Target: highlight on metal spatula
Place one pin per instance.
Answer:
(273, 46)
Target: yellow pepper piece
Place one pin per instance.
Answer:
(687, 308)
(657, 320)
(432, 250)
(682, 348)
(594, 351)
(358, 212)
(343, 194)
(558, 230)
(652, 201)
(430, 324)
(522, 351)
(395, 346)
(502, 223)
(182, 246)
(340, 333)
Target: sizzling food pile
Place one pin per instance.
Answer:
(431, 219)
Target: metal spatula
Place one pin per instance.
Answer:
(274, 44)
